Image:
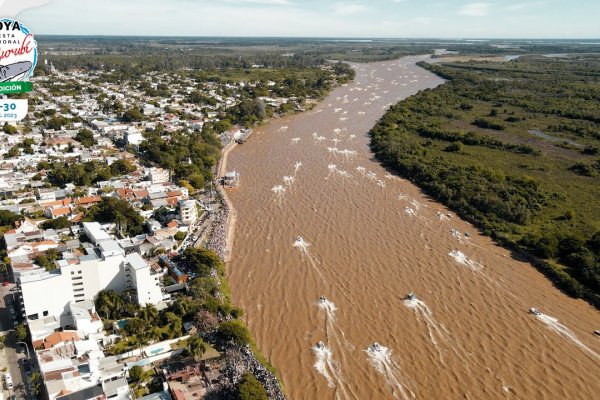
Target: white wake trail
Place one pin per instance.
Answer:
(381, 359)
(303, 245)
(566, 333)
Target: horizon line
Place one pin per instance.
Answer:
(320, 37)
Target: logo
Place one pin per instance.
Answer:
(18, 57)
(18, 52)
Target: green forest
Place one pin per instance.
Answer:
(513, 147)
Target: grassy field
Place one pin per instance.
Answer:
(515, 148)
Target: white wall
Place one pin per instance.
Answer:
(49, 292)
(147, 286)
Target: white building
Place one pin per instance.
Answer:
(95, 232)
(146, 283)
(46, 195)
(159, 175)
(76, 280)
(79, 279)
(134, 137)
(188, 213)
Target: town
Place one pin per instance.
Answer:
(114, 225)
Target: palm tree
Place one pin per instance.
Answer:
(196, 347)
(149, 313)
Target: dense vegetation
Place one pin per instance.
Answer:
(249, 388)
(512, 147)
(120, 212)
(207, 304)
(190, 155)
(84, 174)
(166, 54)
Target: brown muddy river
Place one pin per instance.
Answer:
(317, 216)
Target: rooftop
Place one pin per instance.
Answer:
(96, 231)
(136, 261)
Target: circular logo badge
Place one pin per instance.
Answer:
(18, 51)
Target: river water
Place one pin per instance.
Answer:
(317, 216)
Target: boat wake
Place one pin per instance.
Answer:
(303, 245)
(438, 334)
(330, 369)
(460, 258)
(381, 359)
(333, 333)
(325, 364)
(279, 191)
(563, 331)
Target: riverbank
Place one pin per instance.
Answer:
(231, 214)
(535, 196)
(221, 242)
(373, 239)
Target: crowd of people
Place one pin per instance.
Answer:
(238, 362)
(218, 237)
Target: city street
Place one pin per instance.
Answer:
(9, 357)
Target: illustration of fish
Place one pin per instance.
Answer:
(11, 71)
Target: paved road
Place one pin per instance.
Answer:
(9, 356)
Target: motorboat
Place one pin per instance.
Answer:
(535, 311)
(376, 347)
(322, 299)
(597, 333)
(320, 345)
(299, 240)
(411, 296)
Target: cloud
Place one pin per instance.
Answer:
(348, 8)
(475, 9)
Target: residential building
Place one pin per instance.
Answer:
(159, 175)
(144, 280)
(188, 212)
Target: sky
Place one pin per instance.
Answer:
(317, 18)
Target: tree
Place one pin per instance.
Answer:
(9, 129)
(179, 236)
(196, 347)
(196, 180)
(47, 260)
(110, 209)
(148, 313)
(58, 223)
(85, 137)
(109, 304)
(205, 321)
(14, 152)
(121, 167)
(36, 383)
(135, 326)
(136, 373)
(21, 333)
(133, 115)
(174, 322)
(203, 261)
(249, 388)
(234, 332)
(8, 218)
